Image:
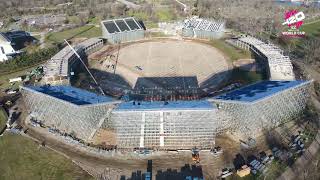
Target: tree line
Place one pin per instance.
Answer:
(27, 60)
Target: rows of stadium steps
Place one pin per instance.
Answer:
(279, 65)
(203, 28)
(250, 119)
(175, 129)
(203, 24)
(57, 69)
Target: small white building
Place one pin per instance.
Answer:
(12, 42)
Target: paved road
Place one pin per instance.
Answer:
(129, 4)
(185, 7)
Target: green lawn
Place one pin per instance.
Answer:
(23, 159)
(84, 31)
(3, 118)
(165, 15)
(276, 168)
(312, 29)
(4, 78)
(139, 15)
(232, 52)
(246, 77)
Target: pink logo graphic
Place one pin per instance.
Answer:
(294, 19)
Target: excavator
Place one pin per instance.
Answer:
(195, 155)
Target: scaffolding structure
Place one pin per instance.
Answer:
(57, 69)
(250, 118)
(80, 119)
(196, 27)
(170, 125)
(279, 65)
(168, 129)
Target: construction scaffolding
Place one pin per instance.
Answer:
(68, 109)
(57, 69)
(168, 125)
(168, 129)
(279, 65)
(196, 27)
(251, 117)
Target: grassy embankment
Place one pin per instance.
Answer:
(235, 54)
(88, 31)
(21, 158)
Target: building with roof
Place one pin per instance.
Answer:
(12, 42)
(68, 109)
(196, 27)
(263, 105)
(122, 30)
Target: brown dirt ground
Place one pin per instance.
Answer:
(105, 136)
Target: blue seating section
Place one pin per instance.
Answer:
(72, 95)
(258, 90)
(160, 105)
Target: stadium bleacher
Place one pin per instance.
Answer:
(158, 105)
(71, 94)
(280, 66)
(204, 24)
(57, 68)
(258, 90)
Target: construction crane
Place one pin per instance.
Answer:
(79, 57)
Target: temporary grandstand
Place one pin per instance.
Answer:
(69, 109)
(57, 69)
(279, 65)
(169, 123)
(203, 28)
(263, 105)
(122, 30)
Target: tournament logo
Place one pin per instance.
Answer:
(294, 20)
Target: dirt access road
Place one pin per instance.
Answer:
(125, 165)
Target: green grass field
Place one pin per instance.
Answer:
(246, 77)
(3, 118)
(275, 170)
(4, 78)
(84, 31)
(23, 159)
(230, 51)
(312, 29)
(165, 15)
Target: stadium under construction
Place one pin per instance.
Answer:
(167, 124)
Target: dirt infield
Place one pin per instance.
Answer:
(166, 58)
